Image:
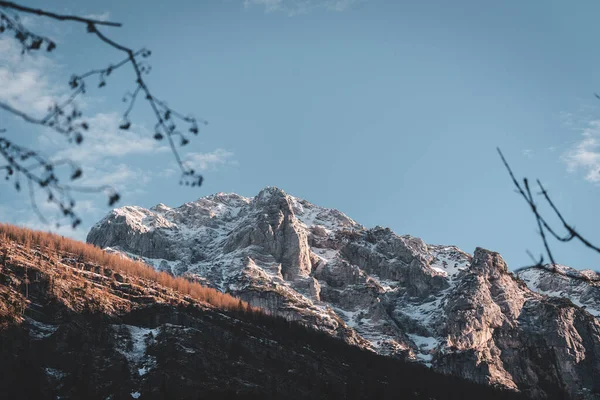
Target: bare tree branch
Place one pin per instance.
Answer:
(41, 172)
(165, 127)
(572, 233)
(60, 17)
(543, 226)
(66, 119)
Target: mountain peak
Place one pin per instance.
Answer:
(489, 263)
(392, 294)
(161, 208)
(105, 312)
(268, 193)
(225, 197)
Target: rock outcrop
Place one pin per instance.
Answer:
(395, 295)
(581, 287)
(70, 328)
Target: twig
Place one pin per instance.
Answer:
(543, 226)
(61, 17)
(65, 118)
(41, 173)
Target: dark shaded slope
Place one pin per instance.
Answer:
(78, 336)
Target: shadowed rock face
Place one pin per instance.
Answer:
(396, 295)
(581, 287)
(501, 333)
(79, 332)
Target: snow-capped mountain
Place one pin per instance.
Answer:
(581, 287)
(75, 324)
(396, 295)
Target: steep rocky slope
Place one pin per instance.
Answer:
(581, 287)
(396, 295)
(73, 328)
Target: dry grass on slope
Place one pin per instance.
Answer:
(85, 255)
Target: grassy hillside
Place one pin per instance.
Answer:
(53, 250)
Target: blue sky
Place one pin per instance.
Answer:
(390, 111)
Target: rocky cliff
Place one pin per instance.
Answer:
(457, 313)
(581, 287)
(77, 327)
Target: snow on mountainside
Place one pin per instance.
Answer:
(581, 287)
(396, 295)
(75, 324)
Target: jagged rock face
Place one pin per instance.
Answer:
(276, 231)
(499, 332)
(72, 330)
(581, 287)
(392, 294)
(146, 239)
(395, 258)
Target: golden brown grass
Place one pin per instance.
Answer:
(83, 252)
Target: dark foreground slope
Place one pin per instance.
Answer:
(89, 331)
(462, 314)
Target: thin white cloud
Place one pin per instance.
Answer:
(167, 173)
(296, 7)
(104, 139)
(340, 5)
(23, 216)
(528, 153)
(113, 175)
(24, 82)
(103, 151)
(105, 16)
(27, 83)
(269, 5)
(210, 161)
(584, 155)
